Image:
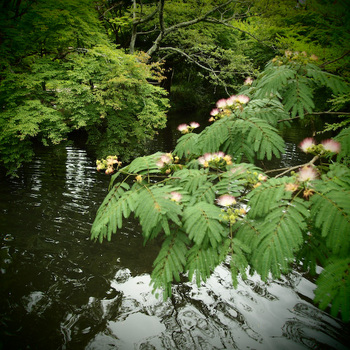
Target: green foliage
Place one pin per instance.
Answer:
(117, 204)
(62, 74)
(170, 262)
(155, 209)
(243, 133)
(294, 78)
(202, 223)
(333, 287)
(330, 210)
(318, 27)
(210, 209)
(201, 262)
(186, 145)
(344, 138)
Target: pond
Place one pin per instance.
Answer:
(59, 290)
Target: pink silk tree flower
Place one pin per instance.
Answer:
(307, 173)
(221, 103)
(218, 155)
(248, 81)
(243, 99)
(226, 200)
(176, 196)
(231, 100)
(164, 159)
(183, 128)
(194, 125)
(307, 144)
(331, 146)
(202, 161)
(214, 112)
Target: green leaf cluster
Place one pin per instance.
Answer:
(243, 134)
(59, 73)
(208, 207)
(294, 79)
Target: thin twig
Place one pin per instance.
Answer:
(287, 170)
(314, 113)
(337, 59)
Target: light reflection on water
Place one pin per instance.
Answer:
(59, 290)
(256, 315)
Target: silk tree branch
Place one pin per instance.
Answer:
(288, 169)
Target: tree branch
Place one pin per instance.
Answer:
(288, 169)
(148, 32)
(209, 69)
(165, 31)
(216, 21)
(187, 56)
(314, 113)
(198, 19)
(335, 60)
(147, 18)
(136, 22)
(161, 15)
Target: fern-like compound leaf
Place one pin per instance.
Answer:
(170, 262)
(270, 110)
(144, 165)
(213, 136)
(236, 179)
(201, 262)
(191, 179)
(236, 144)
(204, 193)
(280, 234)
(273, 79)
(313, 252)
(344, 138)
(298, 97)
(117, 204)
(154, 203)
(335, 83)
(259, 136)
(187, 145)
(203, 224)
(264, 138)
(333, 288)
(238, 259)
(331, 213)
(265, 196)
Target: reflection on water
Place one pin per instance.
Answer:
(59, 290)
(216, 316)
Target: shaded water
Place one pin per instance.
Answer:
(59, 290)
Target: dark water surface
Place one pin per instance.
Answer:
(59, 290)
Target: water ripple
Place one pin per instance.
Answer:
(59, 288)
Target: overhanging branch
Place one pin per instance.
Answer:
(187, 56)
(335, 60)
(216, 21)
(165, 31)
(315, 113)
(210, 69)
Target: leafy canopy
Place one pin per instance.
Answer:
(59, 73)
(209, 204)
